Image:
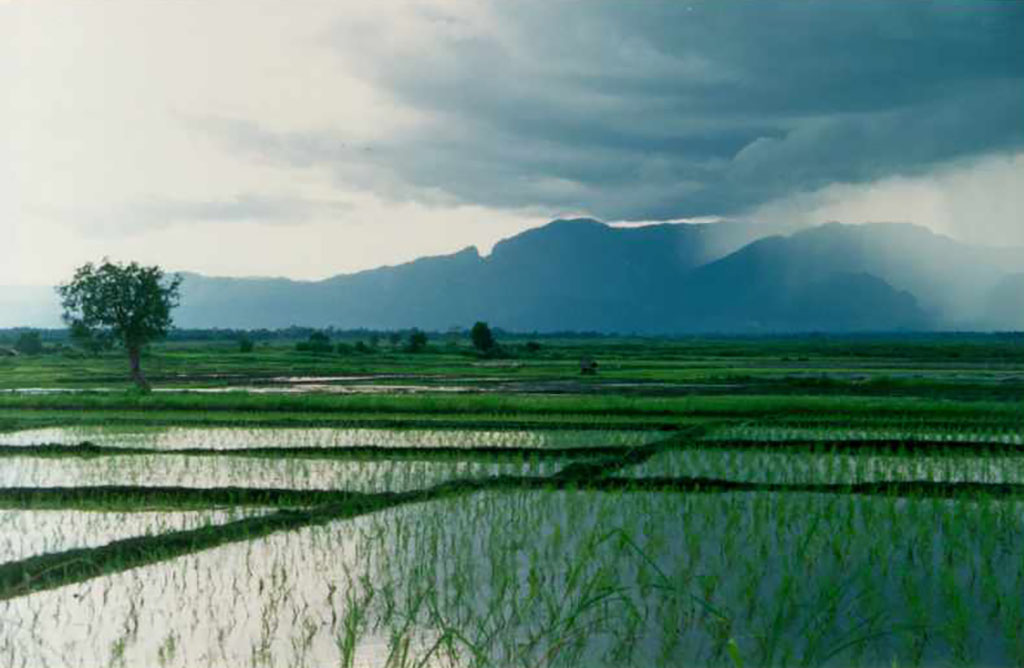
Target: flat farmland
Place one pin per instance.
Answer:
(739, 502)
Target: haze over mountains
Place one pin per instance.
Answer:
(583, 275)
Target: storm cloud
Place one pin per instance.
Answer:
(332, 137)
(660, 110)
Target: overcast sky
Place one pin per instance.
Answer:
(309, 139)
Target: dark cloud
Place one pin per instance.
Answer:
(641, 110)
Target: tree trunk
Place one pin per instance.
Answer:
(134, 356)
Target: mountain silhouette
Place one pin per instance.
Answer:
(583, 275)
(673, 278)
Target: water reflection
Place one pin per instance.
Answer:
(374, 475)
(319, 437)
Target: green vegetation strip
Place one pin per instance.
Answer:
(865, 446)
(34, 419)
(141, 499)
(357, 453)
(16, 420)
(571, 404)
(121, 497)
(700, 485)
(860, 446)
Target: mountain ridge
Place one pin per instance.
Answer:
(669, 278)
(581, 274)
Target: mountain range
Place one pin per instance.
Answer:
(673, 278)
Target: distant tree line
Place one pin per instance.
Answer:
(320, 341)
(954, 345)
(63, 335)
(297, 333)
(9, 335)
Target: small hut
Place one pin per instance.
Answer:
(588, 366)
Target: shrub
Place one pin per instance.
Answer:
(318, 342)
(245, 344)
(417, 340)
(29, 343)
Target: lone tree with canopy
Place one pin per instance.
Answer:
(483, 339)
(129, 303)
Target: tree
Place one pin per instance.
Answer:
(417, 340)
(318, 342)
(129, 303)
(483, 339)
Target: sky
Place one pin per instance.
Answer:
(243, 137)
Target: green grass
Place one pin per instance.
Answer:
(953, 367)
(573, 404)
(31, 419)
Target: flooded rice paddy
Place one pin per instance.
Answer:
(375, 475)
(910, 432)
(228, 438)
(566, 579)
(543, 575)
(829, 467)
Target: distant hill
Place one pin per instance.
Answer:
(846, 277)
(570, 274)
(584, 275)
(948, 278)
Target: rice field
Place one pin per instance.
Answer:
(171, 470)
(228, 438)
(558, 577)
(770, 531)
(824, 466)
